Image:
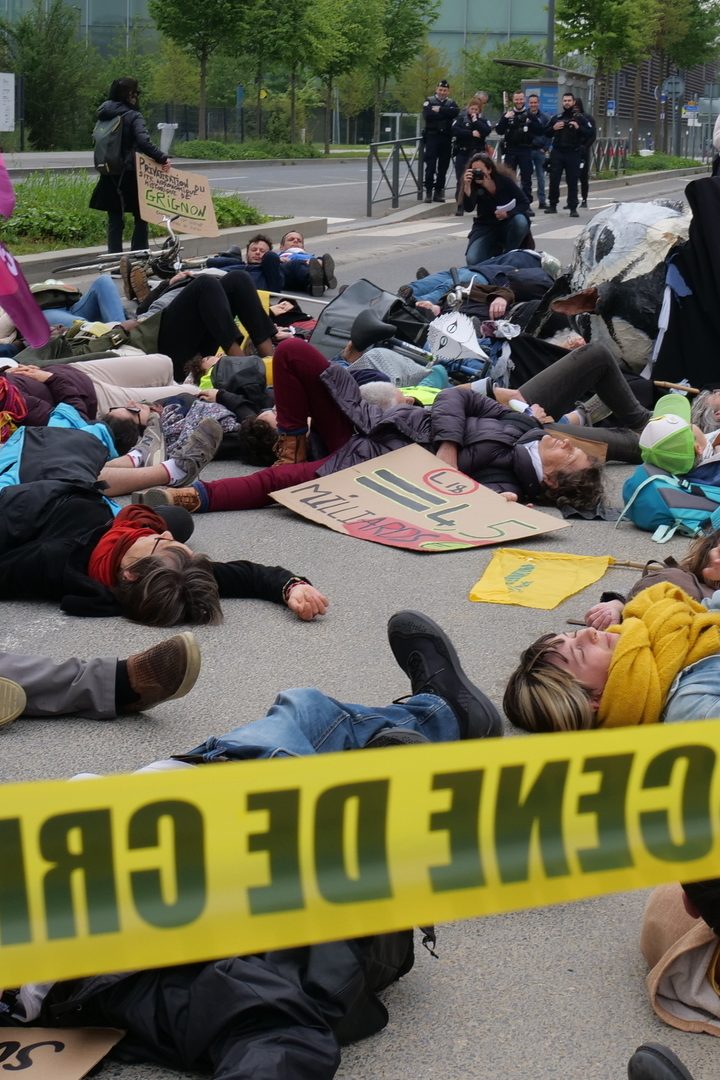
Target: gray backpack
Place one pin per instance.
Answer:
(107, 136)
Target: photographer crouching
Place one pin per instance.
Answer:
(501, 223)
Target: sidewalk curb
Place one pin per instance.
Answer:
(209, 168)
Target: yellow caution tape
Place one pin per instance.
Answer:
(146, 870)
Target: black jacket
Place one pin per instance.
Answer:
(519, 130)
(485, 204)
(277, 1014)
(569, 137)
(119, 193)
(439, 123)
(463, 128)
(51, 522)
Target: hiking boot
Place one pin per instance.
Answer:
(12, 701)
(317, 278)
(573, 213)
(188, 498)
(439, 196)
(428, 658)
(290, 449)
(428, 196)
(421, 273)
(125, 268)
(199, 450)
(140, 283)
(405, 293)
(653, 1061)
(163, 672)
(152, 443)
(583, 204)
(550, 210)
(328, 269)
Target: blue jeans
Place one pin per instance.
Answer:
(488, 240)
(538, 160)
(101, 303)
(306, 721)
(435, 286)
(695, 694)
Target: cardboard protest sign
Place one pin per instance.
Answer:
(410, 499)
(63, 1053)
(175, 193)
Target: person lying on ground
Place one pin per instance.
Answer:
(259, 260)
(679, 941)
(509, 451)
(198, 319)
(282, 1013)
(528, 274)
(303, 271)
(100, 688)
(100, 303)
(660, 664)
(697, 574)
(60, 540)
(95, 387)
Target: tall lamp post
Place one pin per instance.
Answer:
(550, 39)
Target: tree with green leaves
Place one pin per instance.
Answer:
(482, 73)
(405, 24)
(412, 86)
(201, 28)
(43, 48)
(341, 35)
(611, 32)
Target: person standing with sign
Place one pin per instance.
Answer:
(119, 134)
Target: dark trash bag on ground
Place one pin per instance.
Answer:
(332, 331)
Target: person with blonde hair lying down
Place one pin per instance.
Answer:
(666, 649)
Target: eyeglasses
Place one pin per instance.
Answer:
(134, 409)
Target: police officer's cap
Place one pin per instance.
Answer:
(444, 83)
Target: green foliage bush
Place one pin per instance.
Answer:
(657, 162)
(52, 212)
(211, 150)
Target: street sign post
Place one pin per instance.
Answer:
(610, 108)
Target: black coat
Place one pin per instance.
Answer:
(51, 522)
(281, 1014)
(118, 194)
(689, 348)
(486, 204)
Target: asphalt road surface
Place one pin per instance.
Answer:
(552, 993)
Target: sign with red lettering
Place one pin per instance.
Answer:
(410, 499)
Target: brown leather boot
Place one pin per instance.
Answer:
(290, 449)
(186, 497)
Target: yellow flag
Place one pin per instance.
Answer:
(536, 580)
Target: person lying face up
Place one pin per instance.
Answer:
(641, 671)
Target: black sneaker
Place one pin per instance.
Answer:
(427, 656)
(394, 736)
(550, 210)
(573, 213)
(584, 204)
(328, 268)
(428, 196)
(421, 272)
(317, 277)
(653, 1061)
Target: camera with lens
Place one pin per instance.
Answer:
(478, 176)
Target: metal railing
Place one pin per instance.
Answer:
(609, 155)
(395, 167)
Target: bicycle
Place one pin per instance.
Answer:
(163, 262)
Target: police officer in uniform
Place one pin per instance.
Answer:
(569, 131)
(439, 111)
(519, 126)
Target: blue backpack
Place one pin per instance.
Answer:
(664, 505)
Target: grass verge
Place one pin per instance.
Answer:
(52, 213)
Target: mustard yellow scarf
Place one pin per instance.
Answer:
(662, 632)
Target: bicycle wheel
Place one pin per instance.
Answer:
(111, 266)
